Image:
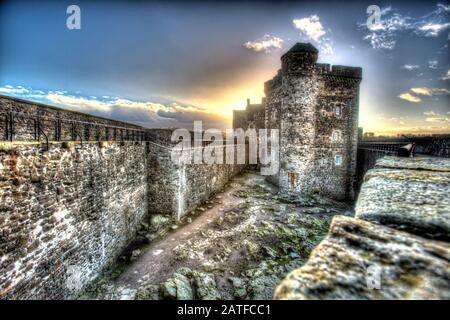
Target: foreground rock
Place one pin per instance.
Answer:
(408, 194)
(185, 284)
(178, 287)
(347, 263)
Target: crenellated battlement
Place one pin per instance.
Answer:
(251, 117)
(345, 71)
(339, 71)
(302, 59)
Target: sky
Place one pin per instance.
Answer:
(166, 64)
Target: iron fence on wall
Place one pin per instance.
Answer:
(20, 126)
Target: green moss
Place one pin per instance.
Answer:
(411, 280)
(244, 205)
(241, 194)
(148, 292)
(291, 218)
(253, 248)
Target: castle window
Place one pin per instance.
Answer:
(336, 135)
(337, 111)
(322, 162)
(338, 160)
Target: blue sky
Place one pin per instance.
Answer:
(165, 64)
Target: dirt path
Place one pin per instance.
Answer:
(157, 263)
(238, 246)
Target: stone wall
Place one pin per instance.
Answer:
(435, 146)
(396, 247)
(409, 194)
(66, 213)
(176, 189)
(69, 208)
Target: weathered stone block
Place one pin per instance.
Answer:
(408, 194)
(6, 146)
(356, 252)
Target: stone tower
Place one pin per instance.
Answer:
(315, 107)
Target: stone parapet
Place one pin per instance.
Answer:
(397, 247)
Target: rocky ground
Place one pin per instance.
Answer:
(238, 245)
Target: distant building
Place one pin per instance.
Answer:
(252, 117)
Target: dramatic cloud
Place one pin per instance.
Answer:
(409, 97)
(432, 64)
(311, 29)
(79, 102)
(383, 35)
(424, 91)
(266, 44)
(437, 119)
(393, 24)
(433, 30)
(431, 116)
(435, 22)
(410, 67)
(10, 90)
(380, 41)
(310, 26)
(398, 120)
(443, 7)
(446, 77)
(145, 113)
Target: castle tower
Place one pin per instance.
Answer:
(315, 107)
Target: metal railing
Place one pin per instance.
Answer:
(388, 147)
(20, 126)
